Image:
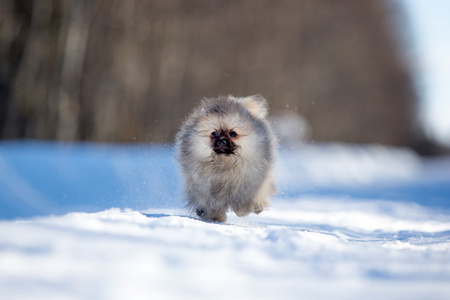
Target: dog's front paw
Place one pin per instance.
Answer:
(200, 212)
(211, 215)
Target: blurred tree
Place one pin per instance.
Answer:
(128, 70)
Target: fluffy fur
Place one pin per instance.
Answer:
(226, 150)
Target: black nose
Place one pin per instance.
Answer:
(221, 143)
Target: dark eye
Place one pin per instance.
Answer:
(214, 134)
(233, 134)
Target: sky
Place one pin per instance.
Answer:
(430, 33)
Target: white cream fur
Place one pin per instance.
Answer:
(256, 105)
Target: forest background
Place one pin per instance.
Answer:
(130, 71)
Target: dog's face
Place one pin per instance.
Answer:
(222, 134)
(226, 127)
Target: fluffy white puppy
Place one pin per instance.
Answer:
(227, 150)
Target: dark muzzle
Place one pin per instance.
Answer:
(223, 145)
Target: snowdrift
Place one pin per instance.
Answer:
(88, 221)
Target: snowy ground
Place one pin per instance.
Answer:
(107, 222)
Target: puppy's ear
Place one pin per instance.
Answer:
(256, 105)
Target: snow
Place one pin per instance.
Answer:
(90, 221)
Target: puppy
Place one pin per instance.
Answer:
(226, 149)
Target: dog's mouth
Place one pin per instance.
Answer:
(224, 151)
